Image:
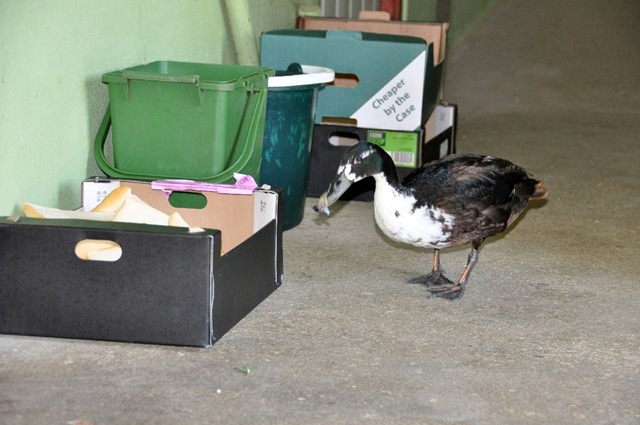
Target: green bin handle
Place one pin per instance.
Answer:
(166, 78)
(224, 176)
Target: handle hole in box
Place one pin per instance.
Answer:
(98, 250)
(343, 138)
(196, 201)
(345, 80)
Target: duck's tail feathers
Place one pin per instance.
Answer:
(540, 192)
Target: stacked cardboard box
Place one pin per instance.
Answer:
(388, 90)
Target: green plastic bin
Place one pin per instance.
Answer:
(184, 120)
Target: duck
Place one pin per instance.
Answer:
(458, 200)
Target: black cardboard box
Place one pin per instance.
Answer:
(409, 150)
(169, 286)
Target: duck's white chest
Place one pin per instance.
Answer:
(397, 217)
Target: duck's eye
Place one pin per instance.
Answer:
(358, 159)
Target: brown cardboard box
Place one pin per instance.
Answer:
(215, 213)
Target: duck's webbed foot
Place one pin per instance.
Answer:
(450, 292)
(439, 285)
(436, 279)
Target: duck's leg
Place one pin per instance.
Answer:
(436, 277)
(452, 291)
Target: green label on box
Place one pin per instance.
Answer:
(401, 146)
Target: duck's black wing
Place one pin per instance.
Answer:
(484, 194)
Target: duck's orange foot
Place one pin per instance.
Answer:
(450, 292)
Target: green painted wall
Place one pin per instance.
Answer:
(419, 10)
(52, 56)
(51, 96)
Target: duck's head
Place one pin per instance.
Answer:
(362, 160)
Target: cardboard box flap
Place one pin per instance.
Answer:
(265, 208)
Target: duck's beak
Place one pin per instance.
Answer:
(338, 186)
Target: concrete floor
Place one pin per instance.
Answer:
(547, 332)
